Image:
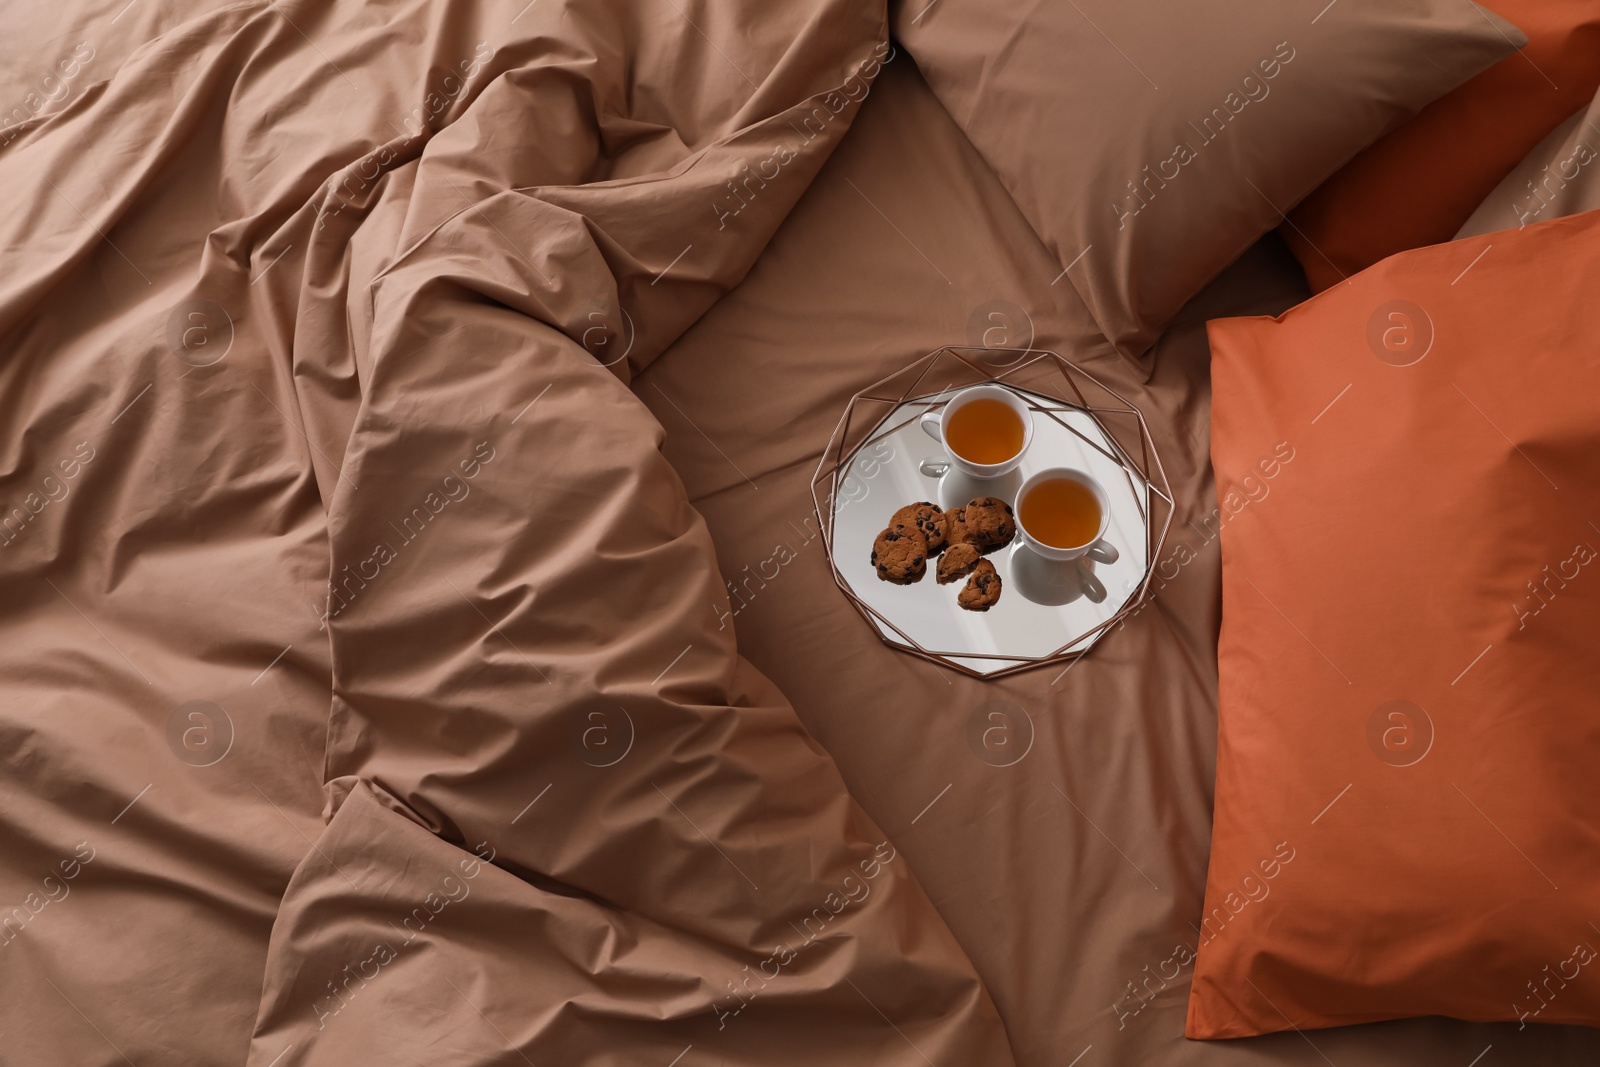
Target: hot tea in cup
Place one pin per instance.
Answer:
(986, 429)
(1063, 513)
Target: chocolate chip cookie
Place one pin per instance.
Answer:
(982, 590)
(928, 520)
(987, 522)
(900, 555)
(957, 562)
(956, 532)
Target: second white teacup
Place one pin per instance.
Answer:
(1062, 514)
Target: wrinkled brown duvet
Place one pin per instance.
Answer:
(371, 686)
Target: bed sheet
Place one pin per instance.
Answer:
(1073, 877)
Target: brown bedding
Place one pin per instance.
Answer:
(1073, 878)
(362, 699)
(371, 691)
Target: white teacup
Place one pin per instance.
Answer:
(1096, 547)
(933, 422)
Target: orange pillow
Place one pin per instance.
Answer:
(1418, 185)
(1407, 818)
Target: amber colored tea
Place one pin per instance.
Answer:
(984, 430)
(1061, 513)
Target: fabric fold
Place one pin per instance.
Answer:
(371, 582)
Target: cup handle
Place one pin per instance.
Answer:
(1090, 585)
(930, 424)
(1103, 551)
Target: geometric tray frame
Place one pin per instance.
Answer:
(1034, 370)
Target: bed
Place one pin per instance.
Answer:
(423, 648)
(1097, 837)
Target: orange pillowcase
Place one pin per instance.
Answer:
(1419, 184)
(1407, 819)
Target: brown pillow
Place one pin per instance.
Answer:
(1150, 142)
